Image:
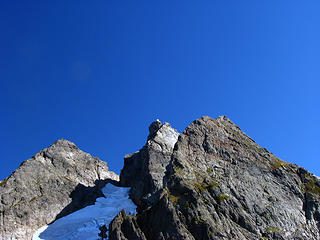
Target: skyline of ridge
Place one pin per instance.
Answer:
(99, 73)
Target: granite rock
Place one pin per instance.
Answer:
(144, 170)
(56, 181)
(219, 184)
(210, 182)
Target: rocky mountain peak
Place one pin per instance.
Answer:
(211, 182)
(153, 128)
(144, 170)
(64, 145)
(55, 182)
(162, 136)
(219, 184)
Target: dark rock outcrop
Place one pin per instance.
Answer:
(125, 227)
(56, 181)
(217, 183)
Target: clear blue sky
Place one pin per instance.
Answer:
(99, 72)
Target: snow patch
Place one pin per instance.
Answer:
(84, 224)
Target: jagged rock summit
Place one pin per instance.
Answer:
(211, 182)
(218, 184)
(56, 181)
(144, 170)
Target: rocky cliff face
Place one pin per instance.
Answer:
(56, 181)
(210, 182)
(144, 170)
(216, 183)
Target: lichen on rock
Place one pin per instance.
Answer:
(219, 184)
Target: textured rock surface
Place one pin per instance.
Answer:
(219, 184)
(56, 181)
(125, 228)
(210, 182)
(144, 170)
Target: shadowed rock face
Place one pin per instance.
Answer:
(40, 189)
(217, 183)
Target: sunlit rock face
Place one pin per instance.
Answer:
(219, 184)
(210, 182)
(144, 170)
(56, 181)
(86, 223)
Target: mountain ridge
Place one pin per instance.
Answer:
(44, 186)
(212, 181)
(219, 184)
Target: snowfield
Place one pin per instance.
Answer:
(84, 224)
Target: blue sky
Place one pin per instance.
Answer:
(99, 72)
